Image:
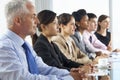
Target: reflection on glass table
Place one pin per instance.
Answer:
(100, 70)
(115, 71)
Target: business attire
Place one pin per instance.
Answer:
(78, 38)
(70, 50)
(51, 54)
(14, 66)
(95, 45)
(104, 39)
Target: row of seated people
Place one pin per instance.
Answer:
(55, 44)
(18, 61)
(46, 48)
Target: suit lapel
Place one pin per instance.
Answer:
(51, 49)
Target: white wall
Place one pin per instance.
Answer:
(96, 6)
(115, 19)
(43, 4)
(2, 16)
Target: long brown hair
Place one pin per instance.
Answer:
(100, 19)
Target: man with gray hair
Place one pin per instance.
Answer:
(18, 60)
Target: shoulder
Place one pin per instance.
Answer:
(75, 35)
(58, 39)
(97, 34)
(41, 42)
(6, 42)
(55, 38)
(71, 39)
(86, 33)
(108, 34)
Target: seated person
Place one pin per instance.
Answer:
(81, 22)
(103, 34)
(65, 43)
(92, 43)
(18, 61)
(45, 48)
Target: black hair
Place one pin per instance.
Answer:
(91, 15)
(78, 15)
(45, 17)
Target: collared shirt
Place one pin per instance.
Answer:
(95, 45)
(13, 63)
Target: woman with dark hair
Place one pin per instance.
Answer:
(103, 33)
(81, 21)
(65, 43)
(49, 51)
(91, 41)
(44, 47)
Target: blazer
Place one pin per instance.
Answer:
(82, 46)
(51, 54)
(70, 50)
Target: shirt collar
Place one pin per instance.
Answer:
(13, 36)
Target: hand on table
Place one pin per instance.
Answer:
(81, 72)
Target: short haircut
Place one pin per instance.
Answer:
(79, 14)
(15, 8)
(91, 15)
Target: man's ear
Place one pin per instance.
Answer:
(17, 20)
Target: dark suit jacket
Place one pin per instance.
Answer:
(51, 54)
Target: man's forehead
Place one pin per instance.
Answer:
(31, 8)
(30, 5)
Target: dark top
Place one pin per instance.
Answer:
(51, 54)
(104, 39)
